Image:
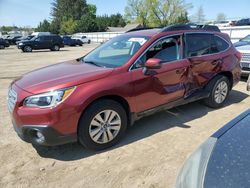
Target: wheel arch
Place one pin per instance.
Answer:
(229, 75)
(121, 100)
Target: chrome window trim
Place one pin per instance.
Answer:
(229, 44)
(161, 38)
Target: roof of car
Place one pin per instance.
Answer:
(229, 164)
(171, 29)
(146, 32)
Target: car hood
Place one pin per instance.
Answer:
(61, 75)
(244, 49)
(241, 43)
(24, 41)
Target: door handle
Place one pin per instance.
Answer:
(180, 71)
(216, 62)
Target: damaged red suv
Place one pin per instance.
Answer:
(93, 99)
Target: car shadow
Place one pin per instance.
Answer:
(146, 127)
(40, 51)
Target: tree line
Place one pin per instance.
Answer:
(68, 17)
(77, 16)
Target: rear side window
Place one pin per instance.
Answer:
(220, 44)
(203, 44)
(198, 44)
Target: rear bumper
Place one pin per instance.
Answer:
(47, 135)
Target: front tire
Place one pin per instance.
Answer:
(219, 89)
(2, 46)
(27, 49)
(102, 125)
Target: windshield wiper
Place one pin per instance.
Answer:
(92, 63)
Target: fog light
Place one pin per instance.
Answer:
(40, 137)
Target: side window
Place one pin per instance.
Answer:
(220, 44)
(198, 44)
(167, 49)
(47, 38)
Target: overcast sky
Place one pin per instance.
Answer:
(31, 12)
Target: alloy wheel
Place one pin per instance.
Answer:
(105, 126)
(220, 93)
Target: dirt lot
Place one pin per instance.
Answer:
(149, 156)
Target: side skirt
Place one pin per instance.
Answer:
(194, 97)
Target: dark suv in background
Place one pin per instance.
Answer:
(4, 43)
(52, 42)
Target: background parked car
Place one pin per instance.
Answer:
(52, 42)
(245, 60)
(243, 41)
(224, 23)
(81, 37)
(243, 22)
(24, 38)
(221, 161)
(67, 40)
(4, 43)
(13, 39)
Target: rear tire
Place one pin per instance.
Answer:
(55, 48)
(2, 46)
(102, 125)
(219, 88)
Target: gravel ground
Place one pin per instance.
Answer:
(150, 155)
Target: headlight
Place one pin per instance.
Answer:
(193, 172)
(49, 99)
(20, 43)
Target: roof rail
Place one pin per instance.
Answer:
(178, 27)
(141, 28)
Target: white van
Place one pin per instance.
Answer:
(81, 37)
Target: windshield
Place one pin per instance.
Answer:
(34, 37)
(246, 39)
(116, 51)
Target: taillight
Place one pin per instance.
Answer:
(238, 55)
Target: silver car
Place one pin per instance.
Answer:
(245, 61)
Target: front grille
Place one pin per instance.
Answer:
(245, 57)
(244, 65)
(12, 98)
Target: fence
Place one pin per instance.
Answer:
(235, 34)
(101, 36)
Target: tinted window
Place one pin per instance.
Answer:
(220, 43)
(198, 44)
(167, 50)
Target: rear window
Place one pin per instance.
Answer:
(197, 44)
(220, 43)
(202, 44)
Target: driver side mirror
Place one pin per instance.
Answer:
(150, 65)
(153, 63)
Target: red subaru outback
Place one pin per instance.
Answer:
(94, 98)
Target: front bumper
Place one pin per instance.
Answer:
(57, 125)
(47, 135)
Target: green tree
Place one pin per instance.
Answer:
(116, 20)
(156, 13)
(87, 24)
(68, 26)
(136, 12)
(43, 26)
(63, 10)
